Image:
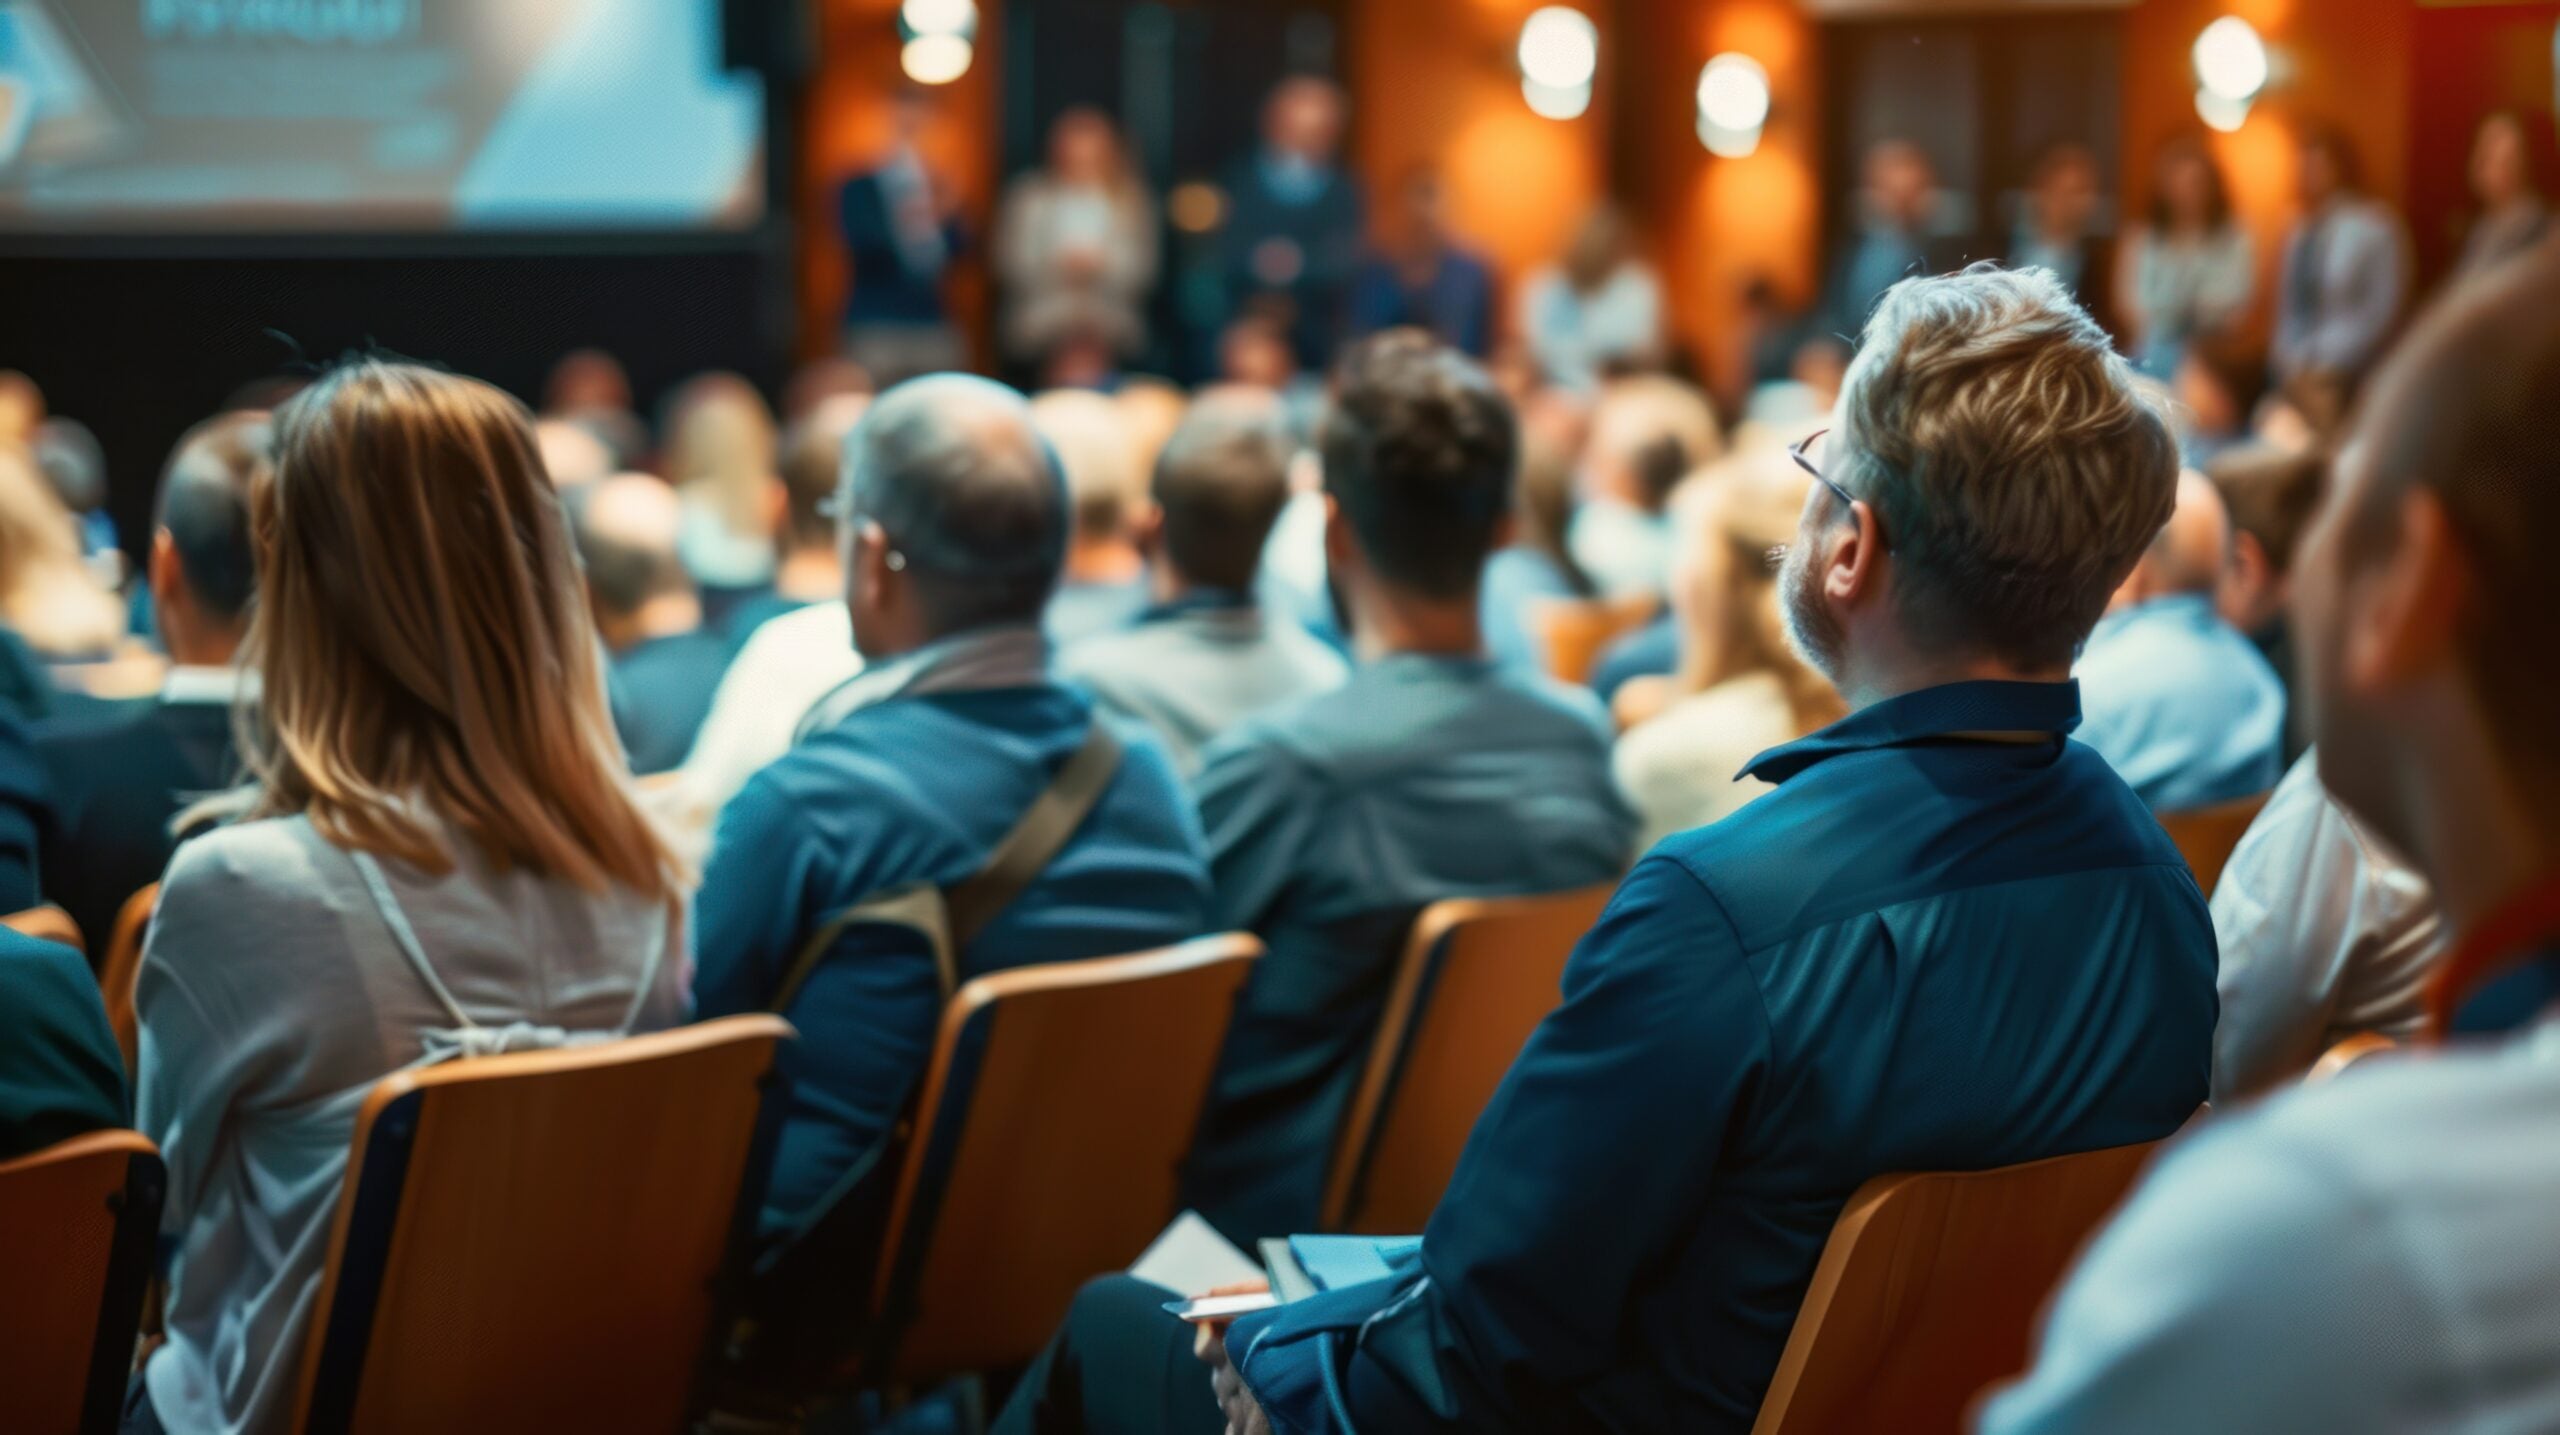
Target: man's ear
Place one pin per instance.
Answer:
(777, 505)
(1853, 557)
(1146, 530)
(1341, 550)
(2402, 610)
(167, 577)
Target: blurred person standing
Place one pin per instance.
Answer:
(898, 223)
(1893, 238)
(2345, 274)
(1740, 689)
(2057, 229)
(2188, 271)
(1596, 313)
(1647, 433)
(1423, 276)
(1075, 247)
(1294, 221)
(2513, 216)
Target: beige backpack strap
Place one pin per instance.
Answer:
(1035, 841)
(950, 920)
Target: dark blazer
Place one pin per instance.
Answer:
(886, 289)
(115, 789)
(60, 1073)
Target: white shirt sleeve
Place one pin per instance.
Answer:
(2323, 935)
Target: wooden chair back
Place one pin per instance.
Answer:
(531, 1242)
(2334, 1062)
(1476, 978)
(48, 924)
(1060, 1101)
(1929, 1290)
(1573, 631)
(2206, 836)
(77, 1225)
(122, 966)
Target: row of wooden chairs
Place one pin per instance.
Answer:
(1012, 1194)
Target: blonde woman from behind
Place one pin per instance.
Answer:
(1740, 689)
(438, 855)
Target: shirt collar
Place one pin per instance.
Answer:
(1948, 710)
(202, 685)
(1199, 600)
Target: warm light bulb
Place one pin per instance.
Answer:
(1559, 50)
(939, 17)
(2231, 61)
(936, 59)
(1556, 102)
(1733, 93)
(2221, 112)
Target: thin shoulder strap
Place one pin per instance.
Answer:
(1037, 839)
(950, 920)
(404, 936)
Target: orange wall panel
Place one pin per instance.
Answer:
(1438, 82)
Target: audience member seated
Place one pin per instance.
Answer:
(1647, 434)
(586, 388)
(2180, 703)
(2188, 270)
(2325, 934)
(438, 856)
(1424, 276)
(912, 774)
(116, 786)
(2270, 493)
(807, 568)
(1950, 940)
(720, 456)
(1105, 584)
(60, 1072)
(23, 818)
(1205, 656)
(48, 596)
(1596, 313)
(68, 455)
(2513, 216)
(2376, 1254)
(1740, 689)
(572, 455)
(664, 664)
(1536, 567)
(778, 677)
(1433, 773)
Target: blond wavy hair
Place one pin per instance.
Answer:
(424, 642)
(1731, 518)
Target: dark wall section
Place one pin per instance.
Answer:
(139, 345)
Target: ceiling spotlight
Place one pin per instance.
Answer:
(939, 17)
(936, 59)
(2231, 61)
(1733, 104)
(1556, 102)
(2221, 112)
(1559, 48)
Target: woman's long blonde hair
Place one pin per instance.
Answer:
(46, 593)
(721, 448)
(423, 639)
(1731, 516)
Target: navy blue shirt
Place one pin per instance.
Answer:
(661, 689)
(1920, 953)
(1332, 823)
(920, 789)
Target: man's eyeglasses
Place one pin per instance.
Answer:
(837, 508)
(1799, 451)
